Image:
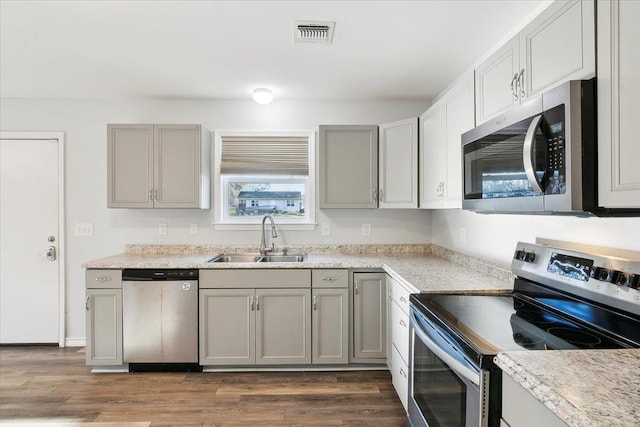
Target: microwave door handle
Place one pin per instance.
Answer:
(452, 362)
(527, 153)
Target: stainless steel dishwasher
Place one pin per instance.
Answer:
(160, 318)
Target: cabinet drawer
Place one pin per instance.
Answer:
(333, 278)
(400, 331)
(400, 378)
(255, 278)
(400, 296)
(103, 279)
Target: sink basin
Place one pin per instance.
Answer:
(236, 258)
(284, 258)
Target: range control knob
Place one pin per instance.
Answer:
(529, 257)
(519, 255)
(618, 278)
(634, 281)
(601, 274)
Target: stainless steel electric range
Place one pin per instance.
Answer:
(562, 299)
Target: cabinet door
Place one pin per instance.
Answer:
(177, 166)
(618, 104)
(129, 166)
(283, 326)
(227, 327)
(494, 79)
(330, 322)
(458, 118)
(348, 166)
(369, 317)
(558, 45)
(399, 164)
(104, 326)
(431, 157)
(400, 331)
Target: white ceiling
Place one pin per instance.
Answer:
(401, 50)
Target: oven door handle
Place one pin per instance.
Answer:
(457, 366)
(527, 153)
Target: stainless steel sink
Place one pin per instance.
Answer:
(236, 258)
(259, 258)
(284, 258)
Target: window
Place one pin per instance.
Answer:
(264, 173)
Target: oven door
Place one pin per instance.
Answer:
(444, 386)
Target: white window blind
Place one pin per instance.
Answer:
(265, 155)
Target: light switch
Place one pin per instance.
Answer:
(366, 229)
(83, 229)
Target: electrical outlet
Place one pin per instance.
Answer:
(193, 229)
(162, 229)
(326, 228)
(83, 229)
(366, 229)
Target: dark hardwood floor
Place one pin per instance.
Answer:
(40, 384)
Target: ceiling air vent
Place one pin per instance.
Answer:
(313, 32)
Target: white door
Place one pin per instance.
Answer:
(29, 287)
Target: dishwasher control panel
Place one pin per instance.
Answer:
(159, 274)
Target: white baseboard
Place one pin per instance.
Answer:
(75, 342)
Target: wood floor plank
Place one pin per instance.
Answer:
(53, 385)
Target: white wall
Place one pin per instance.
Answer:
(84, 123)
(493, 237)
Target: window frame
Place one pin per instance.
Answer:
(254, 223)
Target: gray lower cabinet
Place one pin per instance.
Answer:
(103, 306)
(348, 166)
(369, 317)
(330, 316)
(242, 325)
(158, 166)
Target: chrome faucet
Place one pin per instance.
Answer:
(274, 234)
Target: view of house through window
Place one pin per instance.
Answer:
(265, 174)
(265, 195)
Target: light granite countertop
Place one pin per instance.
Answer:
(425, 268)
(584, 388)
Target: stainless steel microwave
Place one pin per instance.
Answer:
(539, 157)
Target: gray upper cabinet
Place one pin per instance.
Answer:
(558, 45)
(348, 166)
(399, 164)
(618, 104)
(158, 166)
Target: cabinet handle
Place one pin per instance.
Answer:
(86, 303)
(521, 83)
(403, 299)
(251, 303)
(103, 279)
(315, 306)
(257, 303)
(514, 86)
(356, 287)
(403, 373)
(381, 195)
(155, 195)
(375, 195)
(402, 323)
(329, 279)
(151, 196)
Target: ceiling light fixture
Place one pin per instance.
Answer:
(262, 95)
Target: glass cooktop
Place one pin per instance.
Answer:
(494, 323)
